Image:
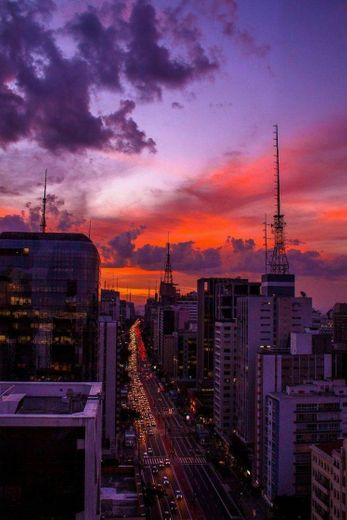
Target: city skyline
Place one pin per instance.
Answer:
(182, 145)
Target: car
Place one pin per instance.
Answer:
(150, 432)
(173, 506)
(167, 462)
(166, 481)
(149, 450)
(178, 494)
(161, 464)
(166, 515)
(154, 470)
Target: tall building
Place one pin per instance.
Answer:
(340, 325)
(216, 302)
(48, 306)
(186, 339)
(329, 481)
(224, 378)
(263, 322)
(306, 414)
(275, 371)
(108, 365)
(50, 450)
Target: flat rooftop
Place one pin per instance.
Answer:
(50, 399)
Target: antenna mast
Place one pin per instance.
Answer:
(279, 262)
(43, 223)
(266, 243)
(168, 269)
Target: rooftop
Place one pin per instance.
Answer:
(23, 235)
(50, 399)
(329, 447)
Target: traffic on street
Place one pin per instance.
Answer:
(173, 466)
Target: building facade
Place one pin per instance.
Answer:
(328, 481)
(306, 414)
(50, 450)
(264, 322)
(48, 306)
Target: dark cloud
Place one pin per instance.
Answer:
(225, 12)
(98, 46)
(45, 94)
(220, 105)
(13, 223)
(294, 241)
(120, 248)
(177, 105)
(127, 136)
(68, 221)
(235, 257)
(150, 66)
(239, 244)
(58, 218)
(234, 154)
(4, 190)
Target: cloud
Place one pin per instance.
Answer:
(127, 136)
(58, 218)
(13, 223)
(237, 256)
(177, 105)
(99, 47)
(46, 92)
(150, 66)
(120, 249)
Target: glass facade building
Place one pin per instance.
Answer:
(48, 306)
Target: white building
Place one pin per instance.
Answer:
(274, 372)
(224, 375)
(263, 322)
(107, 368)
(329, 481)
(50, 450)
(306, 414)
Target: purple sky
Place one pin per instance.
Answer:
(153, 116)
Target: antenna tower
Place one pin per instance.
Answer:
(168, 269)
(43, 223)
(266, 243)
(279, 262)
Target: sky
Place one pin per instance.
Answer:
(155, 117)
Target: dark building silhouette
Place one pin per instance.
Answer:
(48, 306)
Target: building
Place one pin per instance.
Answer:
(328, 481)
(224, 378)
(307, 414)
(185, 355)
(340, 325)
(50, 450)
(263, 322)
(108, 364)
(216, 302)
(48, 306)
(275, 371)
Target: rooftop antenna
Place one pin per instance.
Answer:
(43, 223)
(168, 269)
(90, 229)
(279, 262)
(266, 243)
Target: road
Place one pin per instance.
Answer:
(204, 494)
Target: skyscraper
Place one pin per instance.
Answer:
(48, 306)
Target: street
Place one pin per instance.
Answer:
(170, 457)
